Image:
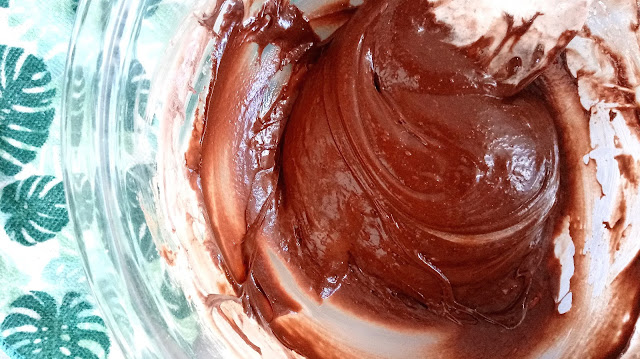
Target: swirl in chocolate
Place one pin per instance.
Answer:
(385, 192)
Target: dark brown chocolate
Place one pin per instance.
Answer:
(392, 175)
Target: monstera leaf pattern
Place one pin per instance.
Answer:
(185, 320)
(137, 92)
(36, 207)
(56, 319)
(75, 116)
(64, 269)
(26, 108)
(174, 298)
(38, 328)
(85, 207)
(138, 177)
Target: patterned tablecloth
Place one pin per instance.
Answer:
(46, 307)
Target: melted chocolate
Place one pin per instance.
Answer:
(388, 174)
(428, 182)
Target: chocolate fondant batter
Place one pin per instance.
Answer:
(384, 172)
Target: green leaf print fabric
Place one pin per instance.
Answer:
(37, 210)
(47, 310)
(26, 110)
(40, 328)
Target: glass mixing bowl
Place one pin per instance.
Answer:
(122, 58)
(110, 142)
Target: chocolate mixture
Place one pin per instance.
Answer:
(386, 174)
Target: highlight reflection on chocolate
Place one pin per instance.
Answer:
(381, 183)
